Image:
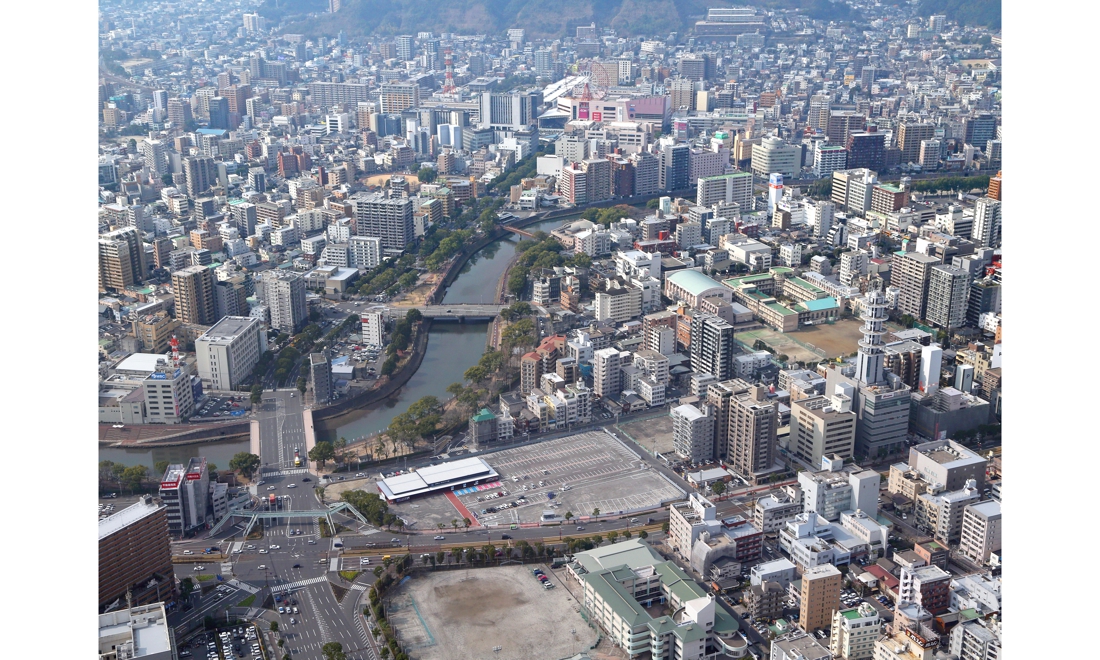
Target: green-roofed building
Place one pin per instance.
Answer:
(648, 605)
(486, 427)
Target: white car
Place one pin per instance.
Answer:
(188, 552)
(292, 485)
(250, 547)
(274, 547)
(440, 538)
(263, 551)
(262, 567)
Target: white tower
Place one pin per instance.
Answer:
(869, 369)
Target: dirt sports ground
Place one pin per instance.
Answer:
(468, 613)
(830, 340)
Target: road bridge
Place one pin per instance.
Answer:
(464, 312)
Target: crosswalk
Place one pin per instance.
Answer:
(294, 585)
(358, 587)
(288, 472)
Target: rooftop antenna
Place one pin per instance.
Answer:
(175, 345)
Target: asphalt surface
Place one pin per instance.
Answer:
(284, 562)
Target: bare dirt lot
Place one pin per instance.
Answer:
(467, 614)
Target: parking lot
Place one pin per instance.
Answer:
(216, 407)
(578, 474)
(653, 434)
(240, 642)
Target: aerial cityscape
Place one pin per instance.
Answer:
(660, 330)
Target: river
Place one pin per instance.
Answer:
(452, 349)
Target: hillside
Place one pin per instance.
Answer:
(968, 12)
(540, 18)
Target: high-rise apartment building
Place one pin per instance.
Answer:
(712, 346)
(693, 432)
(226, 353)
(910, 136)
(597, 172)
(285, 297)
(320, 377)
(399, 96)
(404, 44)
(911, 273)
(193, 288)
(606, 378)
(364, 252)
(725, 188)
(948, 289)
(841, 125)
(981, 531)
(751, 439)
(987, 222)
(647, 178)
(866, 149)
(820, 597)
(200, 175)
(388, 218)
(854, 632)
(135, 556)
(121, 259)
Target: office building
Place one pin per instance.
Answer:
(984, 298)
(820, 597)
(388, 218)
(606, 381)
(226, 353)
(866, 150)
(136, 633)
(193, 288)
(981, 531)
(911, 273)
(927, 586)
(751, 438)
(774, 156)
(854, 632)
(948, 288)
(693, 433)
(121, 259)
(822, 426)
(185, 492)
(320, 377)
(169, 397)
(135, 556)
(712, 346)
(736, 187)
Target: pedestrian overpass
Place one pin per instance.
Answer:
(310, 514)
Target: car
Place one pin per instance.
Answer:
(292, 485)
(580, 529)
(505, 537)
(282, 610)
(271, 488)
(306, 479)
(360, 474)
(364, 561)
(250, 547)
(440, 538)
(262, 567)
(312, 542)
(274, 547)
(263, 551)
(296, 566)
(188, 552)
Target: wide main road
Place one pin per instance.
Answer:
(292, 559)
(282, 430)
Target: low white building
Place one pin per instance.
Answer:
(137, 633)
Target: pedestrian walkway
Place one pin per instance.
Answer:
(300, 583)
(462, 510)
(244, 585)
(359, 587)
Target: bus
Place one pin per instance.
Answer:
(271, 500)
